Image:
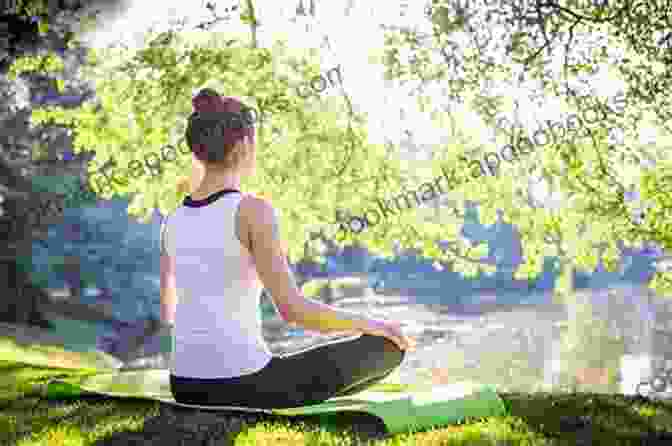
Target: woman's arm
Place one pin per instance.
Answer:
(268, 252)
(167, 281)
(168, 290)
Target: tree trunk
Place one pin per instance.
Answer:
(21, 301)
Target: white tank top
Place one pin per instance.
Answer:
(217, 331)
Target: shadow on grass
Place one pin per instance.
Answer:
(595, 418)
(101, 420)
(178, 426)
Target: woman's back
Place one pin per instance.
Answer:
(218, 290)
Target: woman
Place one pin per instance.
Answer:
(217, 250)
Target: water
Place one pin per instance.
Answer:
(533, 348)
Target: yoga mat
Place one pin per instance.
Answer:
(20, 348)
(400, 411)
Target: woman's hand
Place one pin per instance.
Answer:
(390, 330)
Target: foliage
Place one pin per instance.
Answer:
(31, 8)
(45, 64)
(313, 181)
(145, 100)
(550, 49)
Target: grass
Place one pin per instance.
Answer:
(533, 419)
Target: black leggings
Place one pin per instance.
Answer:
(310, 376)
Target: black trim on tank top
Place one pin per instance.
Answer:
(189, 202)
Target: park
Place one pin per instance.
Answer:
(405, 285)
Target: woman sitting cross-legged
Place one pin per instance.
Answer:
(217, 250)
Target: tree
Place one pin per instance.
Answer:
(17, 196)
(588, 177)
(319, 186)
(144, 102)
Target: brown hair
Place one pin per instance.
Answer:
(218, 128)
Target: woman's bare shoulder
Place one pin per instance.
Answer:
(256, 208)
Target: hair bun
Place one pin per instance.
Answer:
(217, 124)
(209, 101)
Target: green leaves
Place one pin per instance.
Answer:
(575, 203)
(43, 27)
(314, 156)
(145, 100)
(32, 8)
(42, 64)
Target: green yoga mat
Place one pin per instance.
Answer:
(400, 410)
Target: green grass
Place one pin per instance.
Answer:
(26, 419)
